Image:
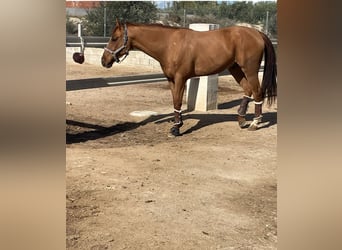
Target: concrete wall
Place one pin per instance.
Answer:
(93, 56)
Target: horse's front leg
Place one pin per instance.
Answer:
(178, 122)
(177, 89)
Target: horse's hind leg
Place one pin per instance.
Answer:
(258, 101)
(240, 77)
(249, 81)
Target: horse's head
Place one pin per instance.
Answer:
(116, 47)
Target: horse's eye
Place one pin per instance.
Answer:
(114, 39)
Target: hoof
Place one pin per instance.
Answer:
(252, 127)
(175, 131)
(242, 122)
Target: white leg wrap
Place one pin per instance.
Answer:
(258, 102)
(178, 111)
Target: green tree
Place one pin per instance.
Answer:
(205, 8)
(223, 11)
(261, 8)
(260, 13)
(70, 27)
(241, 11)
(130, 11)
(272, 27)
(251, 13)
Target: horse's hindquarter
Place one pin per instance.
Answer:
(214, 51)
(249, 46)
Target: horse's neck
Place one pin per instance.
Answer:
(148, 39)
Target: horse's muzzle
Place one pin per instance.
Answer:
(107, 64)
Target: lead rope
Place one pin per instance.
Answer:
(82, 45)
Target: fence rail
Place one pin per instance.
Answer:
(89, 41)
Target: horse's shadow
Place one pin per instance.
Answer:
(204, 120)
(98, 131)
(269, 119)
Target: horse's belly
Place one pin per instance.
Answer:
(212, 65)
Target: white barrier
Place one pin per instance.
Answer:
(201, 92)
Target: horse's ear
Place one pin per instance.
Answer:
(117, 24)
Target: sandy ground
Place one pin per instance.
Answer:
(130, 186)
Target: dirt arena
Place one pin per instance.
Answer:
(130, 186)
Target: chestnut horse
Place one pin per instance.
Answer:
(184, 53)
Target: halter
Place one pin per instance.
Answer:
(116, 52)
